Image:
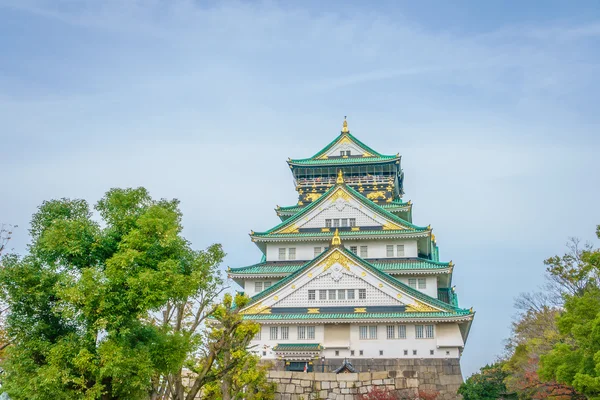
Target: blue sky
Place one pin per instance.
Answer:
(493, 106)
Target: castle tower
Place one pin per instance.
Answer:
(346, 274)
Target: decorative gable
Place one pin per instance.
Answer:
(345, 147)
(339, 269)
(342, 203)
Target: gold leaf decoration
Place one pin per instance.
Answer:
(420, 307)
(336, 257)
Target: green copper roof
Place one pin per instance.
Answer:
(297, 347)
(314, 160)
(296, 208)
(366, 202)
(392, 265)
(405, 315)
(384, 276)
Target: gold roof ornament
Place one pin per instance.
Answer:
(345, 126)
(340, 177)
(336, 241)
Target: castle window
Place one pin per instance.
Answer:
(363, 332)
(310, 332)
(312, 295)
(301, 332)
(422, 283)
(341, 294)
(336, 223)
(362, 294)
(373, 332)
(447, 352)
(431, 352)
(419, 331)
(414, 352)
(282, 253)
(317, 251)
(292, 253)
(322, 294)
(353, 249)
(351, 352)
(328, 223)
(258, 287)
(332, 294)
(391, 331)
(285, 332)
(360, 352)
(337, 353)
(350, 294)
(264, 353)
(380, 352)
(352, 221)
(405, 352)
(412, 282)
(364, 253)
(344, 222)
(273, 332)
(429, 331)
(401, 331)
(267, 285)
(389, 250)
(400, 250)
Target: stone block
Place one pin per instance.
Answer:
(289, 388)
(362, 390)
(299, 389)
(324, 376)
(323, 394)
(377, 381)
(305, 383)
(379, 375)
(325, 385)
(364, 376)
(412, 383)
(295, 381)
(400, 383)
(347, 377)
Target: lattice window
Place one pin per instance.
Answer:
(282, 253)
(258, 287)
(422, 283)
(310, 332)
(364, 251)
(301, 332)
(344, 222)
(267, 284)
(285, 332)
(341, 294)
(373, 332)
(391, 331)
(354, 249)
(332, 294)
(350, 294)
(389, 251)
(322, 294)
(412, 282)
(401, 331)
(419, 331)
(362, 294)
(352, 221)
(363, 332)
(273, 333)
(429, 331)
(400, 250)
(328, 222)
(292, 253)
(312, 295)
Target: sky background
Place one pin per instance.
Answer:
(493, 106)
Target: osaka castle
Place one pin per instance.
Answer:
(347, 276)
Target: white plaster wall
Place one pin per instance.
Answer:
(335, 150)
(392, 348)
(431, 284)
(376, 249)
(249, 285)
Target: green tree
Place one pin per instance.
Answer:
(81, 301)
(487, 384)
(575, 360)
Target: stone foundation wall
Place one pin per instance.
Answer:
(406, 378)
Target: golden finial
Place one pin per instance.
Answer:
(471, 310)
(409, 202)
(340, 178)
(228, 269)
(345, 126)
(451, 264)
(433, 237)
(429, 227)
(336, 241)
(252, 232)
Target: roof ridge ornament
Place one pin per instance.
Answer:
(345, 126)
(336, 240)
(340, 177)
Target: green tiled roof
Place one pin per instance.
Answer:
(297, 347)
(296, 208)
(339, 161)
(406, 315)
(341, 233)
(388, 278)
(366, 202)
(286, 267)
(314, 160)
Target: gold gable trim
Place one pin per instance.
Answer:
(420, 307)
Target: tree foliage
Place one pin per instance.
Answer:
(487, 384)
(104, 310)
